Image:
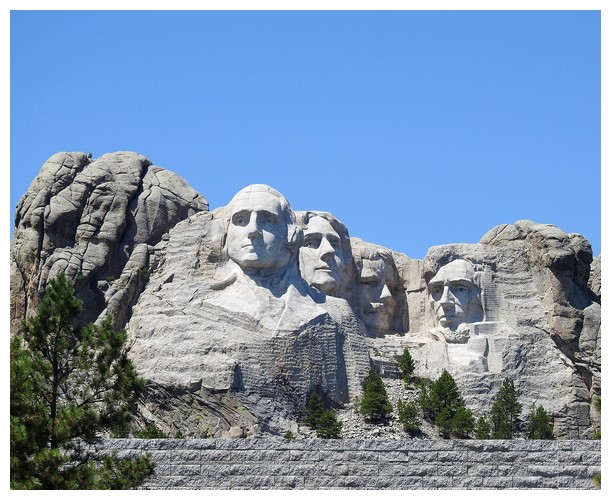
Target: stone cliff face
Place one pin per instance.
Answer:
(236, 315)
(96, 221)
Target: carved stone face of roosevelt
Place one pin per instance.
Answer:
(451, 292)
(377, 303)
(320, 257)
(257, 234)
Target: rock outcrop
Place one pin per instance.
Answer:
(95, 220)
(236, 315)
(537, 322)
(203, 326)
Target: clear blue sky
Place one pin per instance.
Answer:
(414, 128)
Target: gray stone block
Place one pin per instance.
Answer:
(289, 482)
(454, 456)
(363, 469)
(215, 469)
(483, 470)
(259, 469)
(186, 470)
(422, 456)
(260, 455)
(304, 455)
(468, 482)
(393, 456)
(458, 469)
(407, 469)
(497, 482)
(586, 445)
(208, 455)
(186, 456)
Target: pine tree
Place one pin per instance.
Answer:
(409, 416)
(463, 422)
(424, 400)
(505, 411)
(327, 426)
(443, 405)
(70, 385)
(324, 421)
(374, 403)
(482, 430)
(406, 365)
(539, 426)
(314, 410)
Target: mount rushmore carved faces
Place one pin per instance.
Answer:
(325, 253)
(376, 277)
(454, 295)
(260, 220)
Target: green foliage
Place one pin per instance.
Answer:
(288, 435)
(463, 422)
(482, 431)
(314, 410)
(597, 481)
(328, 427)
(68, 386)
(443, 421)
(539, 426)
(116, 474)
(406, 365)
(443, 405)
(322, 420)
(596, 401)
(151, 431)
(505, 411)
(374, 404)
(409, 416)
(425, 401)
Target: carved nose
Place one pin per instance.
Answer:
(325, 249)
(252, 228)
(446, 296)
(385, 295)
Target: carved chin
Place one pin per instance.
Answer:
(377, 320)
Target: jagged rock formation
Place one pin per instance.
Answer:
(202, 326)
(237, 314)
(538, 324)
(95, 220)
(594, 281)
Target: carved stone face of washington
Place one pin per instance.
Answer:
(257, 236)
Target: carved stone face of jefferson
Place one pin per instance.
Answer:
(320, 257)
(257, 236)
(451, 292)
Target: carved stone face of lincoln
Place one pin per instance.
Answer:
(257, 236)
(320, 257)
(451, 293)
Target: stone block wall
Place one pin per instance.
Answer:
(275, 463)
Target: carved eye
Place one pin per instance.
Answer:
(436, 291)
(312, 243)
(461, 289)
